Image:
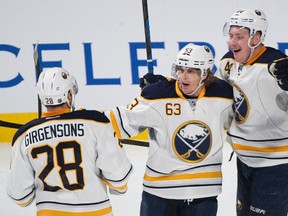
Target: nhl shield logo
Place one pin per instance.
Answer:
(192, 141)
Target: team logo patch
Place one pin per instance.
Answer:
(241, 105)
(258, 12)
(192, 141)
(207, 49)
(64, 75)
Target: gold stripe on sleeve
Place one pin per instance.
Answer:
(217, 174)
(260, 149)
(114, 124)
(122, 188)
(65, 213)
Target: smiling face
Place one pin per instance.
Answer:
(238, 43)
(189, 79)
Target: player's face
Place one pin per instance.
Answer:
(188, 79)
(238, 43)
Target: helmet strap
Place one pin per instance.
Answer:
(73, 103)
(200, 84)
(70, 101)
(252, 48)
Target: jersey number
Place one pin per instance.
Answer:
(173, 109)
(64, 166)
(133, 104)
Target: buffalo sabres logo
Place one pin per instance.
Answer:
(64, 75)
(241, 105)
(258, 12)
(192, 141)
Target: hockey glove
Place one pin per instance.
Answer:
(279, 70)
(150, 78)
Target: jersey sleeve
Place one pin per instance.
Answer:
(221, 73)
(227, 115)
(131, 120)
(112, 161)
(20, 181)
(224, 66)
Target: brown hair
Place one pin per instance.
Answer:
(210, 78)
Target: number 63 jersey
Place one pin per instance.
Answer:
(186, 137)
(66, 161)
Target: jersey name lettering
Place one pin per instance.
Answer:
(54, 131)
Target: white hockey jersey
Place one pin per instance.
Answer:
(186, 137)
(259, 130)
(66, 161)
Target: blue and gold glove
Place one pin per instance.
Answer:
(279, 70)
(150, 78)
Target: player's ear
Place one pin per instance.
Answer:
(69, 97)
(256, 38)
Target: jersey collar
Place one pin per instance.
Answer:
(59, 112)
(256, 55)
(181, 95)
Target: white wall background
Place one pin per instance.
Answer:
(110, 26)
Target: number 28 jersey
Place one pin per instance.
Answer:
(66, 161)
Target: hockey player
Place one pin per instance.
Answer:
(259, 130)
(66, 159)
(186, 119)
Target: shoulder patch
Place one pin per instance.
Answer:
(269, 55)
(93, 115)
(228, 55)
(25, 127)
(219, 88)
(86, 114)
(163, 89)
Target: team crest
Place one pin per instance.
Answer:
(192, 141)
(241, 105)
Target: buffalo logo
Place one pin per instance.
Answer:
(64, 75)
(258, 12)
(241, 105)
(192, 141)
(207, 49)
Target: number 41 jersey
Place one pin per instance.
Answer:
(65, 161)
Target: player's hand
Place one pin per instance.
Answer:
(279, 70)
(150, 78)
